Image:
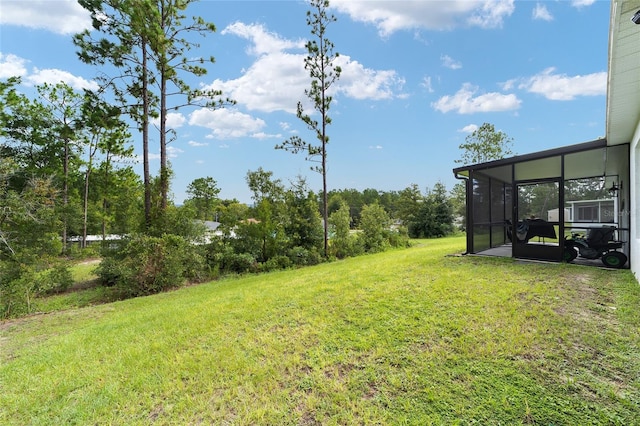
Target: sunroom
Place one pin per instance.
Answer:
(540, 206)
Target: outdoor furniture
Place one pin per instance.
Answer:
(529, 228)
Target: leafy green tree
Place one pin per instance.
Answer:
(148, 42)
(230, 213)
(442, 223)
(170, 46)
(374, 223)
(118, 193)
(353, 198)
(434, 217)
(117, 189)
(269, 213)
(42, 136)
(123, 42)
(29, 244)
(409, 201)
(203, 197)
(426, 215)
(304, 225)
(104, 133)
(341, 241)
(28, 129)
(485, 144)
(320, 62)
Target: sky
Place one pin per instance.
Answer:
(417, 78)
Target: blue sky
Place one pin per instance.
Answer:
(418, 77)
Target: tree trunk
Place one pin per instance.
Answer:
(86, 204)
(65, 196)
(145, 137)
(164, 172)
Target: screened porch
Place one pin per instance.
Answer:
(526, 206)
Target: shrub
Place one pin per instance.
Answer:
(374, 222)
(301, 256)
(276, 263)
(148, 265)
(351, 246)
(54, 280)
(237, 262)
(109, 271)
(17, 289)
(74, 251)
(22, 283)
(398, 238)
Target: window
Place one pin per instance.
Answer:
(587, 213)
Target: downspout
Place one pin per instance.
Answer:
(467, 203)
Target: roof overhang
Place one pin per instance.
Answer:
(599, 143)
(623, 80)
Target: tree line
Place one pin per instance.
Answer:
(66, 171)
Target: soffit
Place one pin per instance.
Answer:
(623, 85)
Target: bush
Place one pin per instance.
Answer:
(301, 256)
(374, 223)
(54, 280)
(398, 238)
(276, 263)
(110, 271)
(351, 246)
(22, 283)
(17, 289)
(237, 262)
(149, 265)
(74, 251)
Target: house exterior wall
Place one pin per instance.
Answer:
(634, 207)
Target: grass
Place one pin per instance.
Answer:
(404, 337)
(85, 291)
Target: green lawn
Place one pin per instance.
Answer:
(404, 337)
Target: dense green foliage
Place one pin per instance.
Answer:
(485, 144)
(147, 265)
(66, 176)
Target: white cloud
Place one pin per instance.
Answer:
(263, 135)
(12, 66)
(175, 120)
(375, 146)
(540, 12)
(60, 16)
(152, 156)
(15, 66)
(55, 76)
(226, 123)
(582, 3)
(358, 82)
(264, 42)
(197, 144)
(276, 81)
(560, 87)
(223, 146)
(426, 83)
(173, 152)
(391, 16)
(469, 128)
(449, 62)
(465, 101)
